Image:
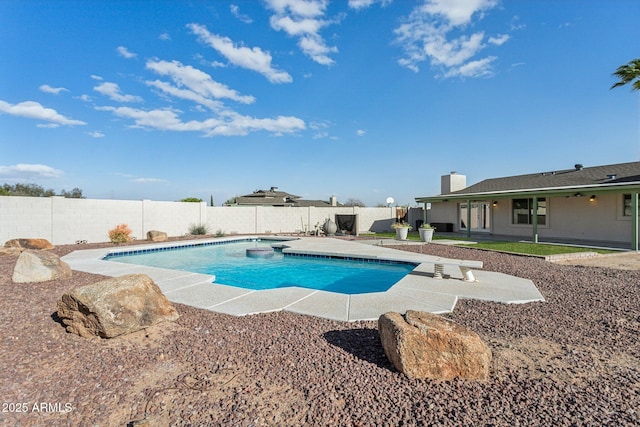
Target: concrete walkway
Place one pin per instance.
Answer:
(418, 290)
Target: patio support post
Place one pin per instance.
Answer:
(534, 219)
(468, 219)
(634, 221)
(424, 214)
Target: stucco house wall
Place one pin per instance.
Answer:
(445, 212)
(571, 218)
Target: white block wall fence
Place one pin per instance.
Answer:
(66, 221)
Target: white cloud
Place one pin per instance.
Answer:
(304, 19)
(454, 52)
(479, 68)
(124, 52)
(361, 132)
(187, 94)
(235, 11)
(427, 34)
(320, 129)
(53, 90)
(226, 123)
(165, 36)
(94, 77)
(499, 40)
(112, 90)
(34, 110)
(300, 27)
(362, 4)
(254, 59)
(96, 134)
(515, 24)
(305, 8)
(47, 125)
(458, 12)
(134, 178)
(30, 171)
(200, 87)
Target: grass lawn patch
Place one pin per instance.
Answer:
(411, 235)
(535, 248)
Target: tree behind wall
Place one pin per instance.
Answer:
(353, 202)
(35, 190)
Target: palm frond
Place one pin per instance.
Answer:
(628, 73)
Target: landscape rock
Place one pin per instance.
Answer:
(424, 345)
(29, 244)
(39, 266)
(10, 251)
(116, 306)
(157, 236)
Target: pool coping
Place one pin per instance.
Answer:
(418, 290)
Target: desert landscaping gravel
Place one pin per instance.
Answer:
(573, 360)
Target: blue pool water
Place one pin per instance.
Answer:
(231, 266)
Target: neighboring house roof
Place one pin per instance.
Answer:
(306, 203)
(274, 197)
(618, 177)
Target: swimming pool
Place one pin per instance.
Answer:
(229, 262)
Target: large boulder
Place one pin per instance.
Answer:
(39, 266)
(114, 307)
(28, 244)
(157, 236)
(10, 251)
(425, 345)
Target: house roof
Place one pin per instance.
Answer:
(616, 177)
(274, 197)
(267, 197)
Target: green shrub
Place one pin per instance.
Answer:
(120, 234)
(198, 229)
(219, 233)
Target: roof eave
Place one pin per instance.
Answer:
(550, 191)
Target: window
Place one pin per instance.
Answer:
(626, 205)
(522, 211)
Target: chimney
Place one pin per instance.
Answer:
(274, 189)
(333, 201)
(452, 182)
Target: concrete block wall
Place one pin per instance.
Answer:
(174, 218)
(90, 219)
(231, 219)
(67, 221)
(28, 217)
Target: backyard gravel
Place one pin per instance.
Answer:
(573, 360)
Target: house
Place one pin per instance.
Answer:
(598, 203)
(275, 197)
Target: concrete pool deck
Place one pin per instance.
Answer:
(418, 290)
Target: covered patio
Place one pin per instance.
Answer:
(595, 206)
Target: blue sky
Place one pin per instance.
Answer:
(364, 99)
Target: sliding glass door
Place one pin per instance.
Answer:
(480, 217)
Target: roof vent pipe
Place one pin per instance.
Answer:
(611, 176)
(578, 166)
